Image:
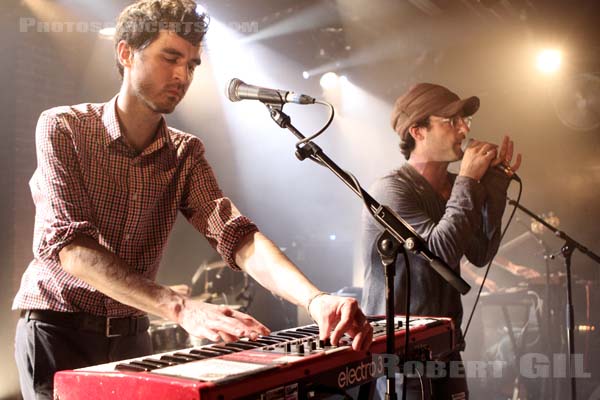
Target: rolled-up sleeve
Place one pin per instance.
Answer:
(58, 190)
(214, 215)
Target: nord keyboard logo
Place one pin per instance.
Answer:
(362, 372)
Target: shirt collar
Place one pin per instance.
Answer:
(110, 121)
(113, 129)
(163, 138)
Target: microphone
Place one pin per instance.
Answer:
(237, 90)
(505, 169)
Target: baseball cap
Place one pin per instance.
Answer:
(425, 99)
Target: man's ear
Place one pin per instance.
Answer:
(416, 132)
(124, 54)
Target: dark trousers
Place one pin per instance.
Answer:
(41, 349)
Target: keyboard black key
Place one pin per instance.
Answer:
(193, 357)
(206, 353)
(150, 366)
(130, 367)
(158, 363)
(277, 339)
(244, 345)
(222, 349)
(310, 328)
(309, 332)
(266, 341)
(291, 335)
(303, 333)
(176, 359)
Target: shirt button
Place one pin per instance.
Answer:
(127, 237)
(134, 197)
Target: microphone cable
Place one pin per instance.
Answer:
(304, 141)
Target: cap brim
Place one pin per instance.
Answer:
(469, 106)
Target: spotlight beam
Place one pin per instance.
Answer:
(310, 18)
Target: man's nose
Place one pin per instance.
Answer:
(463, 127)
(182, 73)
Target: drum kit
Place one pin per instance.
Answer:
(212, 283)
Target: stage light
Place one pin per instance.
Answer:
(329, 80)
(306, 74)
(107, 33)
(332, 237)
(585, 328)
(549, 60)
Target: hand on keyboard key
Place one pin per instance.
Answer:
(218, 322)
(342, 315)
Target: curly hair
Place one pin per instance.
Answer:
(140, 23)
(407, 145)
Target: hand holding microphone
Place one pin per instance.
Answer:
(504, 158)
(479, 156)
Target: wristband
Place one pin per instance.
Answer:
(313, 299)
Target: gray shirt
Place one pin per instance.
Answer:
(468, 224)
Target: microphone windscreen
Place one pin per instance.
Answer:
(465, 144)
(232, 88)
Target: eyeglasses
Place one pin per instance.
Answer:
(455, 121)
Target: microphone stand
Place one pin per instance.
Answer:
(388, 249)
(399, 233)
(566, 251)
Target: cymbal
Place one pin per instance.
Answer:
(156, 320)
(206, 297)
(202, 297)
(555, 279)
(214, 264)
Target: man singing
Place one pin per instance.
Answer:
(458, 215)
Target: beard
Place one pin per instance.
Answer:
(458, 153)
(156, 100)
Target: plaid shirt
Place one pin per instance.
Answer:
(88, 181)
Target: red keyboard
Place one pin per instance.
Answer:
(288, 364)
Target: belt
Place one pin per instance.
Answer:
(106, 326)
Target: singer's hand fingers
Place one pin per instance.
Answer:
(472, 143)
(509, 153)
(503, 152)
(488, 149)
(517, 163)
(488, 146)
(490, 155)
